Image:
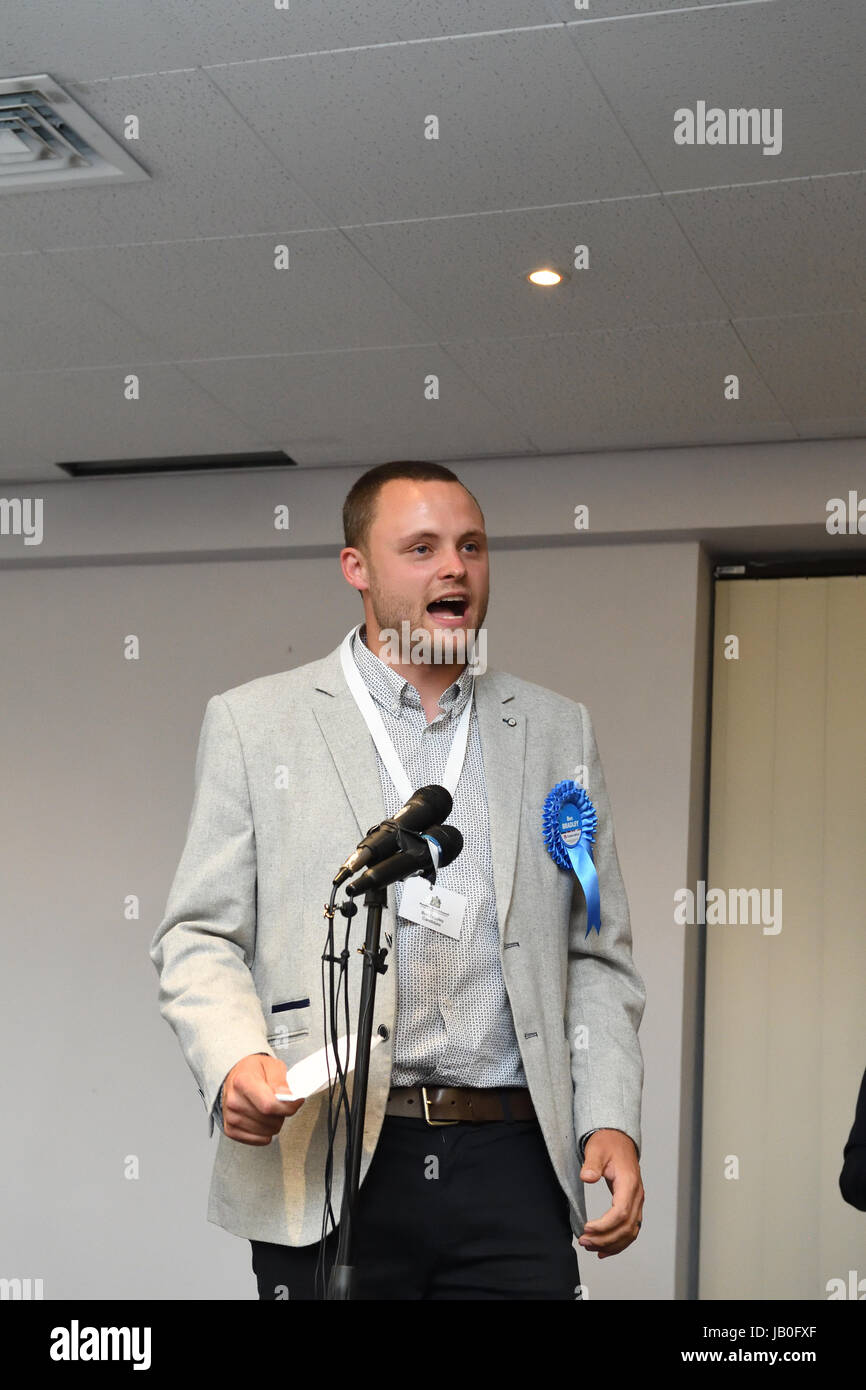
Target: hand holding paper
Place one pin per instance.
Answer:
(310, 1075)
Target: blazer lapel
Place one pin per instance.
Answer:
(503, 747)
(349, 742)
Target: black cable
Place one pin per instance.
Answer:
(328, 954)
(330, 1023)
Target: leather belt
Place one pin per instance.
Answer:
(449, 1105)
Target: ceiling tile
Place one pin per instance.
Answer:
(612, 389)
(88, 38)
(784, 247)
(803, 57)
(361, 406)
(466, 276)
(223, 297)
(814, 363)
(77, 415)
(612, 11)
(50, 321)
(92, 39)
(834, 427)
(19, 464)
(521, 124)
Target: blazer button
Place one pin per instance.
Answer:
(383, 1031)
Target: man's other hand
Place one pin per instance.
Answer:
(251, 1112)
(611, 1155)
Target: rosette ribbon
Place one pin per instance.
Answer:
(569, 822)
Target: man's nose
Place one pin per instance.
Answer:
(453, 564)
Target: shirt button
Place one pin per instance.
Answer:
(383, 1031)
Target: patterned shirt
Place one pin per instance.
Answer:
(454, 1025)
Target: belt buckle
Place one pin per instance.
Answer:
(427, 1111)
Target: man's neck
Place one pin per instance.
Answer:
(430, 679)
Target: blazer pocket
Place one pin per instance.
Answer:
(289, 1018)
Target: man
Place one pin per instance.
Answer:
(519, 1019)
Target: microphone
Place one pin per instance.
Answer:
(426, 805)
(418, 858)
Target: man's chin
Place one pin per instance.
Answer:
(432, 637)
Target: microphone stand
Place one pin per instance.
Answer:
(342, 1280)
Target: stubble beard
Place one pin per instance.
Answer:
(390, 611)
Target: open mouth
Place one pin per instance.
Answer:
(448, 608)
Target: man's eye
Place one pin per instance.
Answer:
(470, 545)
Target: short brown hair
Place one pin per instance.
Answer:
(359, 507)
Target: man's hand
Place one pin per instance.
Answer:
(611, 1155)
(251, 1112)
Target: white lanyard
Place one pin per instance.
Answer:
(382, 739)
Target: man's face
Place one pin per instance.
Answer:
(426, 542)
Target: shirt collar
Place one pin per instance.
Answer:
(389, 689)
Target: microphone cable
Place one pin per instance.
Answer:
(337, 1087)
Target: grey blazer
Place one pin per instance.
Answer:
(286, 783)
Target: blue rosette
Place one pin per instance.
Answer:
(569, 823)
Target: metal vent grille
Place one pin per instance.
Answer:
(47, 139)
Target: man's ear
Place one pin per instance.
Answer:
(353, 566)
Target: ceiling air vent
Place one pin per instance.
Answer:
(48, 140)
(182, 463)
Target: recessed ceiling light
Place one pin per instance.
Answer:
(546, 276)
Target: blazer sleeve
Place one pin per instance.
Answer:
(605, 994)
(204, 946)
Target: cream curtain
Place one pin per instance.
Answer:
(785, 1026)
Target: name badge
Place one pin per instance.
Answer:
(436, 907)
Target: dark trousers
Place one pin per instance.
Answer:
(472, 1210)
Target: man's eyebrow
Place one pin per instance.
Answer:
(436, 535)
